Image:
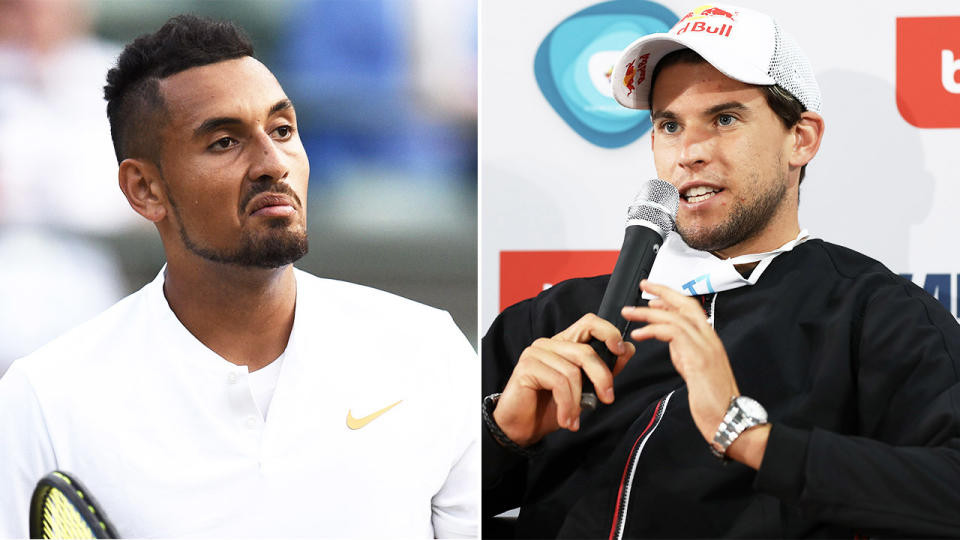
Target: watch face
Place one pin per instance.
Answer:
(752, 409)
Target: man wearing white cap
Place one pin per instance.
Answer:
(852, 426)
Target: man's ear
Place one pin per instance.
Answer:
(141, 185)
(808, 133)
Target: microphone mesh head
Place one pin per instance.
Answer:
(655, 204)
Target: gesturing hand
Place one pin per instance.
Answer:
(695, 350)
(543, 393)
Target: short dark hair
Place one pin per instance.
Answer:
(784, 104)
(135, 107)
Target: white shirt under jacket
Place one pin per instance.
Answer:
(167, 436)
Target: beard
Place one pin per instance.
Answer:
(745, 221)
(271, 248)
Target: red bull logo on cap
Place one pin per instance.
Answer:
(691, 22)
(635, 75)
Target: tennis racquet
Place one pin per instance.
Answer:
(62, 508)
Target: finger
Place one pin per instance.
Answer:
(588, 327)
(671, 335)
(566, 412)
(675, 302)
(615, 344)
(666, 333)
(685, 347)
(582, 356)
(648, 314)
(622, 360)
(658, 316)
(662, 291)
(690, 332)
(602, 378)
(684, 344)
(521, 415)
(671, 299)
(543, 377)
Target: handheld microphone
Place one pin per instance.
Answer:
(649, 219)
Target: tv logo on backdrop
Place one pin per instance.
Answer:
(574, 63)
(941, 287)
(928, 62)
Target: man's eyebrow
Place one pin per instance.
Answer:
(728, 106)
(213, 124)
(663, 114)
(281, 105)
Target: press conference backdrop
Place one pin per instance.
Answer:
(560, 160)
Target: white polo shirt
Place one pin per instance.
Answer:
(167, 435)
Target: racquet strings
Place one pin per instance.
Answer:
(66, 511)
(61, 518)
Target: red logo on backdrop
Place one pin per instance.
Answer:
(928, 62)
(526, 273)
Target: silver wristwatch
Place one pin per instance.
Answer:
(742, 414)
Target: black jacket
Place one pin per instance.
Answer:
(857, 367)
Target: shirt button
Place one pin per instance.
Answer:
(231, 378)
(251, 422)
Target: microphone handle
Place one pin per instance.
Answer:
(640, 246)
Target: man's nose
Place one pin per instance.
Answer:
(267, 162)
(695, 147)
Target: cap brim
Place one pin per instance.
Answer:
(634, 91)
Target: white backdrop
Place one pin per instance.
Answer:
(878, 185)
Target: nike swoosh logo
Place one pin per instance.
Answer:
(357, 423)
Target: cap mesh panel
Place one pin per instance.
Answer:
(792, 71)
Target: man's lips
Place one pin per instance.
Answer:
(272, 204)
(696, 193)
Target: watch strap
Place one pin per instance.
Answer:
(735, 422)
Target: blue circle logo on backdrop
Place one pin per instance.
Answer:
(575, 60)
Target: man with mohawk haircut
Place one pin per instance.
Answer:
(234, 395)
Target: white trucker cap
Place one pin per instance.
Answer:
(742, 44)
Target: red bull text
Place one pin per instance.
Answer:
(702, 12)
(700, 26)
